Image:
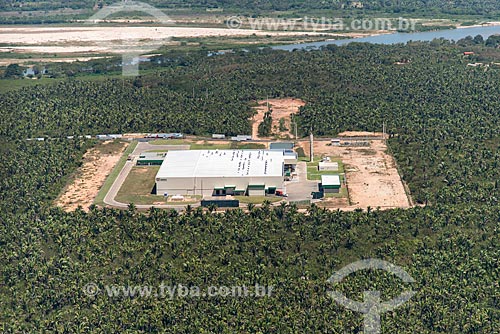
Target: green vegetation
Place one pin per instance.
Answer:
(247, 146)
(138, 187)
(114, 174)
(343, 193)
(209, 146)
(249, 7)
(14, 84)
(170, 142)
(443, 121)
(314, 174)
(282, 126)
(265, 127)
(257, 199)
(157, 151)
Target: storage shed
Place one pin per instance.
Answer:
(330, 183)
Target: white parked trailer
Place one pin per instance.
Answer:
(241, 138)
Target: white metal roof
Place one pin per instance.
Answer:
(330, 180)
(222, 163)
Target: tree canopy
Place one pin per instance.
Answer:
(442, 117)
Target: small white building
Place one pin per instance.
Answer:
(221, 172)
(328, 166)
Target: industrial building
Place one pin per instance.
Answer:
(281, 146)
(221, 172)
(290, 156)
(151, 159)
(330, 183)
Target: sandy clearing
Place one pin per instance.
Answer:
(89, 178)
(360, 134)
(371, 174)
(486, 24)
(101, 38)
(282, 108)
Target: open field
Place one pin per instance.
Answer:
(282, 108)
(138, 187)
(371, 174)
(314, 174)
(98, 163)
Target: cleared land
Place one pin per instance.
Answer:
(371, 174)
(97, 165)
(282, 108)
(138, 189)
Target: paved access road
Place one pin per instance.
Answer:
(300, 188)
(141, 147)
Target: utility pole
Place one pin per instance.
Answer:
(293, 122)
(383, 130)
(311, 140)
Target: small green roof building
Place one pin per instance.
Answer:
(330, 183)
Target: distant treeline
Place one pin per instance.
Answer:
(441, 114)
(431, 7)
(444, 126)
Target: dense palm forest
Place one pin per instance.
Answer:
(473, 7)
(443, 120)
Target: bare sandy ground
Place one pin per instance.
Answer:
(282, 108)
(372, 178)
(360, 134)
(89, 178)
(486, 24)
(113, 39)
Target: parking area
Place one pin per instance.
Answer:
(300, 188)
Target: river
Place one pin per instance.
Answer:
(395, 38)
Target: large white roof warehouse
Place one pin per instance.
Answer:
(220, 172)
(222, 163)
